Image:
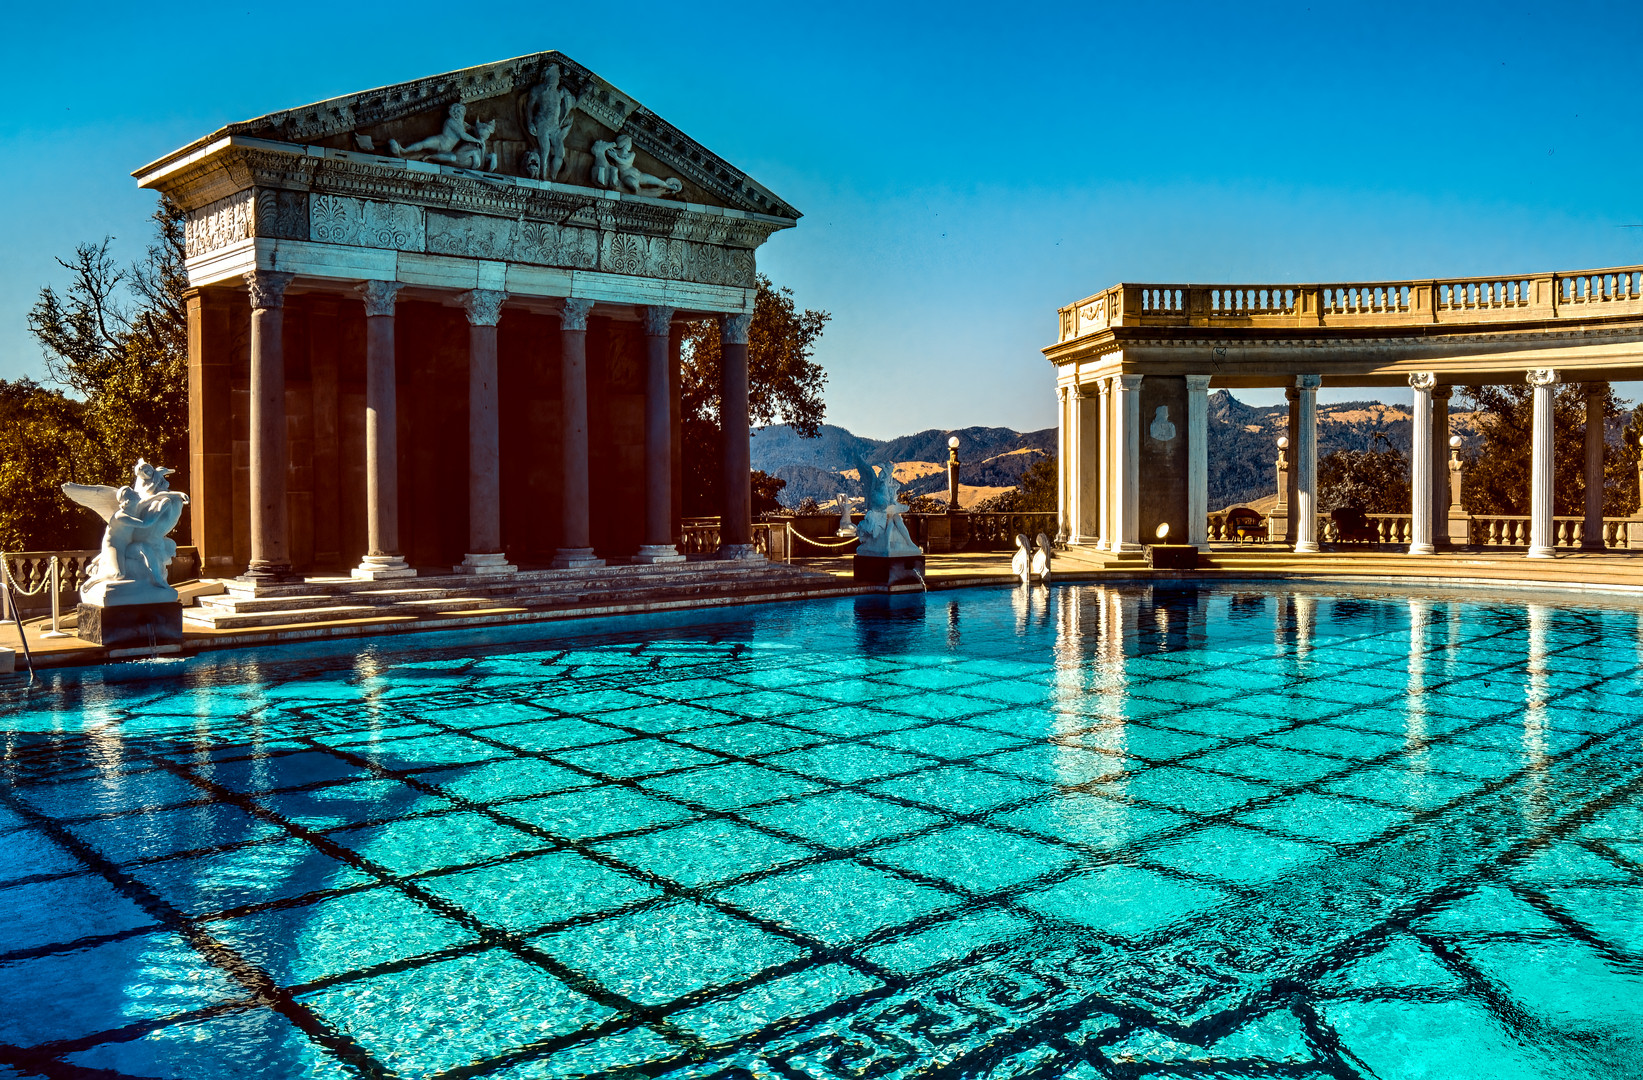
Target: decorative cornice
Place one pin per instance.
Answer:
(379, 297)
(573, 314)
(657, 320)
(267, 289)
(733, 329)
(484, 306)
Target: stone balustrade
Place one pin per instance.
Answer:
(1536, 297)
(29, 569)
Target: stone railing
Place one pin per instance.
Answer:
(700, 536)
(997, 532)
(29, 570)
(1526, 298)
(1512, 530)
(1389, 529)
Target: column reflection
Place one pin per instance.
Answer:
(1535, 688)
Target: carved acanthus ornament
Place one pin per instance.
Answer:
(1543, 377)
(484, 306)
(573, 314)
(733, 329)
(379, 296)
(1423, 380)
(267, 288)
(657, 320)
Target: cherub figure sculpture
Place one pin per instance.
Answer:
(545, 114)
(615, 168)
(472, 155)
(882, 531)
(446, 143)
(136, 550)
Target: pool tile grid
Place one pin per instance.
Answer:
(937, 764)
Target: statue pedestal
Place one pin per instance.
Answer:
(131, 626)
(888, 569)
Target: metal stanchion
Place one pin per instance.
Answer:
(56, 588)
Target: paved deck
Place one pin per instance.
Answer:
(1613, 573)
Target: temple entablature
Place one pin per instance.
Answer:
(531, 176)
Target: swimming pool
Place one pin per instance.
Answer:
(1082, 832)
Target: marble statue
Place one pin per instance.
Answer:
(882, 531)
(545, 114)
(614, 168)
(1041, 559)
(846, 526)
(136, 550)
(1021, 561)
(447, 148)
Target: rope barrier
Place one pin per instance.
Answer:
(16, 586)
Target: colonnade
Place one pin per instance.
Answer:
(270, 560)
(1102, 479)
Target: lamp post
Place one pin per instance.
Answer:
(952, 474)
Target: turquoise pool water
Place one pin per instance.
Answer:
(1079, 833)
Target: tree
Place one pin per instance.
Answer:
(1374, 481)
(1497, 476)
(1039, 487)
(766, 488)
(117, 341)
(784, 384)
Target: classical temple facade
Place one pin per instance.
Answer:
(1135, 362)
(438, 324)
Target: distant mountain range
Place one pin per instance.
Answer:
(1242, 450)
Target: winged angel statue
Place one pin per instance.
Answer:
(882, 531)
(131, 567)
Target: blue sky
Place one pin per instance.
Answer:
(964, 169)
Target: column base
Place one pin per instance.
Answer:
(1542, 553)
(657, 553)
(1306, 547)
(267, 573)
(489, 563)
(739, 553)
(575, 559)
(1127, 547)
(1422, 549)
(381, 568)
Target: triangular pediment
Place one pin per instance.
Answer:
(528, 126)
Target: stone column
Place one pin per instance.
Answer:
(658, 534)
(382, 558)
(1420, 465)
(1087, 502)
(1440, 465)
(1198, 461)
(1306, 464)
(1591, 538)
(1541, 542)
(1127, 474)
(1063, 463)
(1291, 476)
(1104, 515)
(736, 523)
(270, 536)
(484, 554)
(575, 528)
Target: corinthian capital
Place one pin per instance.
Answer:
(267, 289)
(1308, 382)
(657, 320)
(573, 314)
(733, 329)
(484, 306)
(1422, 380)
(1543, 377)
(379, 296)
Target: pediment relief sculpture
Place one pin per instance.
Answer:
(541, 117)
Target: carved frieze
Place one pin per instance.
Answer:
(220, 224)
(338, 219)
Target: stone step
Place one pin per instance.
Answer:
(469, 583)
(218, 619)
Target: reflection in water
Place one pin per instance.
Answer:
(889, 625)
(1306, 620)
(1414, 732)
(1534, 715)
(953, 638)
